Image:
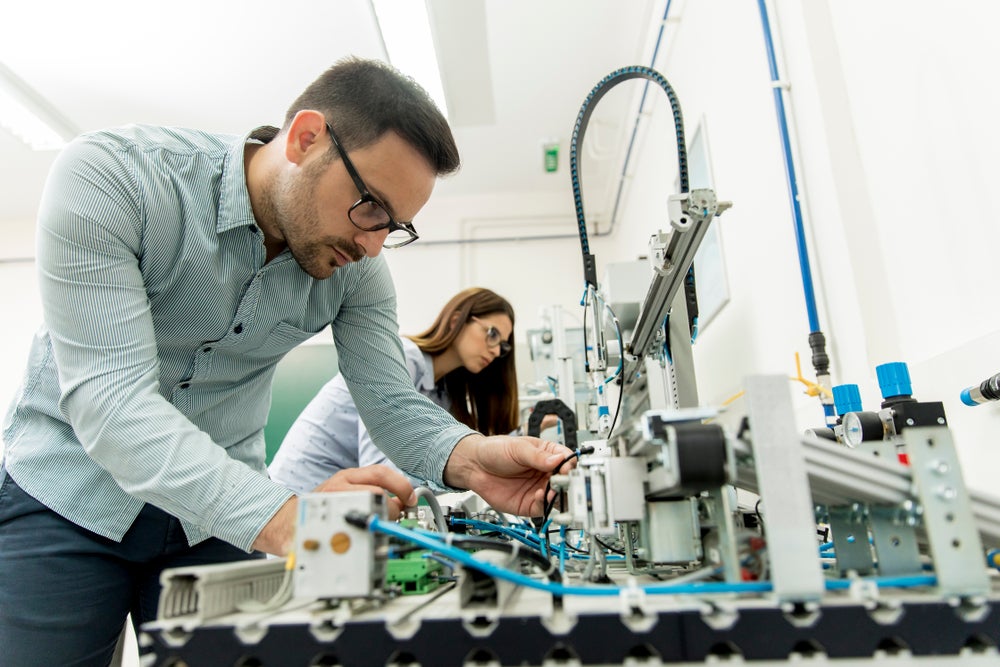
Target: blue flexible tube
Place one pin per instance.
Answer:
(436, 544)
(459, 556)
(793, 187)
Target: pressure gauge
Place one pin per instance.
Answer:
(861, 426)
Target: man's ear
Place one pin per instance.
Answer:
(305, 135)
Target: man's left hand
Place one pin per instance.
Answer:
(510, 473)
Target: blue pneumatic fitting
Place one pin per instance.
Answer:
(603, 410)
(967, 398)
(893, 379)
(984, 392)
(846, 398)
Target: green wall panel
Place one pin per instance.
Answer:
(298, 377)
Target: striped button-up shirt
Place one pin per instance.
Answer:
(150, 380)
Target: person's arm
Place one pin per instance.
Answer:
(97, 311)
(414, 433)
(323, 440)
(368, 451)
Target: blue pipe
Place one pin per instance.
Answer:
(793, 188)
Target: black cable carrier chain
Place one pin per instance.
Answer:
(579, 129)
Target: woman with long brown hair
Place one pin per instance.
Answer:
(464, 362)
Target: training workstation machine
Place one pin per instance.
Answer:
(682, 535)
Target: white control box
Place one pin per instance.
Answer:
(333, 558)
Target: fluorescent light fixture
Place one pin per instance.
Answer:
(406, 35)
(29, 117)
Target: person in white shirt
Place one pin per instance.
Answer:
(463, 362)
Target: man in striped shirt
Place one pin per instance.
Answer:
(176, 268)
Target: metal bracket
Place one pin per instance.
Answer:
(784, 489)
(850, 539)
(895, 541)
(951, 529)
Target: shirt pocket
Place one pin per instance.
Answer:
(278, 342)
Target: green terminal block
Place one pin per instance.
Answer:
(414, 574)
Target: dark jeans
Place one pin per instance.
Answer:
(65, 591)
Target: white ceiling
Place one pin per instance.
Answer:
(230, 66)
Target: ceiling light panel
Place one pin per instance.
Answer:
(409, 45)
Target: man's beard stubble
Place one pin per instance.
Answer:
(291, 206)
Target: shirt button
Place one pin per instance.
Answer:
(238, 328)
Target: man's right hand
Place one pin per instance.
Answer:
(276, 536)
(376, 478)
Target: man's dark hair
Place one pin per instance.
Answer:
(364, 99)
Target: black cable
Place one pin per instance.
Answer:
(621, 390)
(578, 550)
(619, 380)
(691, 301)
(608, 547)
(479, 542)
(547, 509)
(549, 505)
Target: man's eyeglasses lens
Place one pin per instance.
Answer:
(369, 215)
(398, 237)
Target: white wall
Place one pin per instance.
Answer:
(528, 274)
(20, 305)
(925, 120)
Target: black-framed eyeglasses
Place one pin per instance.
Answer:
(494, 337)
(368, 213)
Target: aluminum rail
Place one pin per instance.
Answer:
(842, 476)
(682, 244)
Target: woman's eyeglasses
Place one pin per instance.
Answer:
(493, 337)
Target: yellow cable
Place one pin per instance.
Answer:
(733, 398)
(812, 388)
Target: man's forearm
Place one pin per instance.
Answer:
(459, 471)
(276, 536)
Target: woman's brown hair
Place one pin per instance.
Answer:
(485, 401)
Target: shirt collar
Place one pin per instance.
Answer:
(234, 198)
